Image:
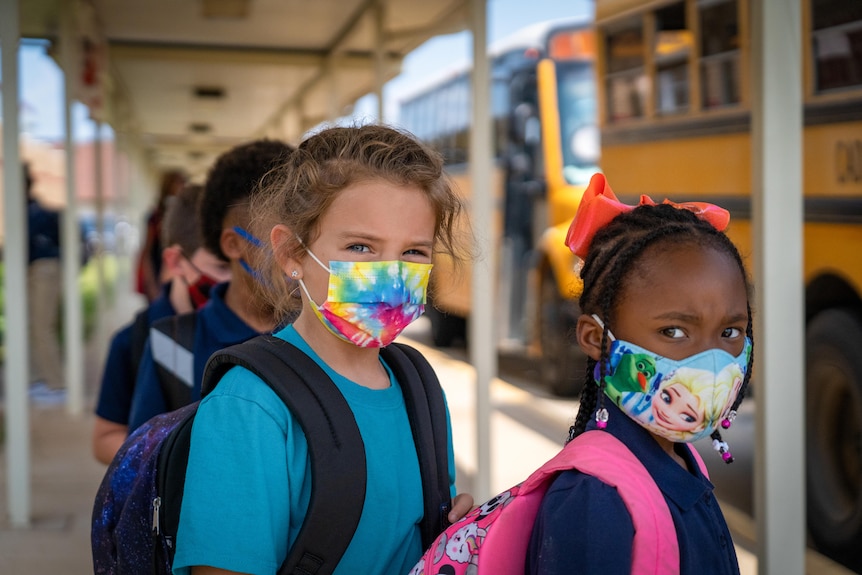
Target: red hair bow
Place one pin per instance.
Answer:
(599, 206)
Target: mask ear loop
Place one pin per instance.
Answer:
(601, 412)
(314, 257)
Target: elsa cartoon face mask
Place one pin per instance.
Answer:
(680, 400)
(369, 303)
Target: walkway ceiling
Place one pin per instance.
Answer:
(188, 79)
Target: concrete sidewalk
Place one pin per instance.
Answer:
(64, 474)
(65, 478)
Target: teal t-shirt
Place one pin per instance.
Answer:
(249, 479)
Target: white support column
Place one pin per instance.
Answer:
(379, 58)
(776, 76)
(70, 244)
(99, 337)
(483, 349)
(121, 184)
(16, 368)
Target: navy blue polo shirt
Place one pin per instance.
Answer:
(118, 377)
(583, 525)
(217, 327)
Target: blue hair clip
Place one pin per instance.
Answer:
(251, 271)
(247, 236)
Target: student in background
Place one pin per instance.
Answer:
(236, 311)
(192, 271)
(44, 279)
(150, 275)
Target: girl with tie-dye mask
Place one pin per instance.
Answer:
(353, 220)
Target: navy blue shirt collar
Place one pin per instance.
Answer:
(683, 487)
(227, 326)
(162, 306)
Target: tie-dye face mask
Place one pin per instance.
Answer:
(369, 303)
(680, 400)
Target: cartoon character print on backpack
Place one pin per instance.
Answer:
(459, 552)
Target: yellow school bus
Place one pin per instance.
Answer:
(546, 148)
(674, 103)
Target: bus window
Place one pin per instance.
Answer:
(837, 44)
(626, 76)
(578, 128)
(673, 45)
(719, 54)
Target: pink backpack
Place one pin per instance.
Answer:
(492, 539)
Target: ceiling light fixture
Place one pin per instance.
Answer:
(200, 127)
(208, 92)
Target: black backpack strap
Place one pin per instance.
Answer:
(173, 459)
(172, 341)
(334, 445)
(426, 410)
(138, 338)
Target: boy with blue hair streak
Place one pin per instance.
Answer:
(236, 312)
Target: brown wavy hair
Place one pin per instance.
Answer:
(301, 191)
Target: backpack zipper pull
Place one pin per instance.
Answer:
(157, 504)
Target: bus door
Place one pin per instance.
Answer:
(523, 201)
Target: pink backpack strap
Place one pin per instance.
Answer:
(600, 454)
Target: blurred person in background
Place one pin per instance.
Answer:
(150, 279)
(44, 289)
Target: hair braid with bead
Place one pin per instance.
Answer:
(612, 257)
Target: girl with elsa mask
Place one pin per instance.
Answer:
(666, 325)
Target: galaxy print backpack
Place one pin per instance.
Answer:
(493, 538)
(137, 507)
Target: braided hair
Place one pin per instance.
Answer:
(612, 257)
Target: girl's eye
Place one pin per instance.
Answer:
(665, 397)
(687, 418)
(731, 332)
(417, 252)
(673, 332)
(358, 248)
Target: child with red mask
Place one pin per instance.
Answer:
(191, 269)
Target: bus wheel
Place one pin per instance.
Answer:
(834, 434)
(445, 328)
(562, 360)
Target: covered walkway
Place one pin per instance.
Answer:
(168, 83)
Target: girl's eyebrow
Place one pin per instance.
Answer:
(738, 318)
(349, 235)
(678, 316)
(694, 318)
